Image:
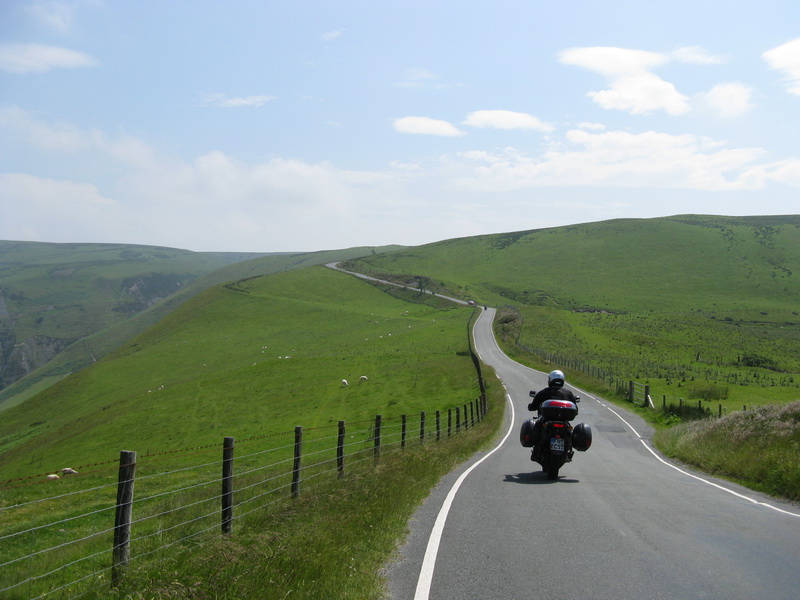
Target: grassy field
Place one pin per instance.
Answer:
(80, 291)
(252, 360)
(334, 542)
(698, 307)
(246, 359)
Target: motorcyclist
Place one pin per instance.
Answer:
(554, 390)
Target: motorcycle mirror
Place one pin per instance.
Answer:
(577, 399)
(532, 393)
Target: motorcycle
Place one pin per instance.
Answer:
(552, 437)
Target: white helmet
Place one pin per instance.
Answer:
(556, 379)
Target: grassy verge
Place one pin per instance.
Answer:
(332, 542)
(758, 448)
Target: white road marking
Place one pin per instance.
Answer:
(431, 552)
(692, 475)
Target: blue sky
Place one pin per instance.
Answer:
(264, 126)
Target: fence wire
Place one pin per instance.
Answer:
(39, 559)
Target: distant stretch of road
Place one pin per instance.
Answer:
(621, 521)
(335, 267)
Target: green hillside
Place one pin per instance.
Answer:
(52, 295)
(65, 306)
(246, 359)
(739, 264)
(676, 301)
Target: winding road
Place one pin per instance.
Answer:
(621, 521)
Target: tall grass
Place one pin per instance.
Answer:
(759, 448)
(332, 540)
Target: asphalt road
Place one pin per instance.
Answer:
(621, 522)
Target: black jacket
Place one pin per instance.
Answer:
(550, 393)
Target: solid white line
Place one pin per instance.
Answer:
(698, 478)
(429, 561)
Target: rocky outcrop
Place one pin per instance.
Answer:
(17, 359)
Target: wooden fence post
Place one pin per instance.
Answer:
(422, 426)
(340, 450)
(377, 450)
(449, 421)
(227, 484)
(403, 420)
(630, 391)
(298, 452)
(472, 413)
(122, 519)
(438, 425)
(646, 394)
(458, 419)
(466, 418)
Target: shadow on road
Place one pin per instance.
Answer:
(536, 478)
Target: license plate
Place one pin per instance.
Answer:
(557, 444)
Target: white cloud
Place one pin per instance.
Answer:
(426, 126)
(786, 58)
(332, 35)
(41, 209)
(617, 159)
(37, 58)
(217, 202)
(58, 15)
(417, 78)
(66, 139)
(729, 100)
(633, 87)
(225, 101)
(506, 119)
(696, 55)
(59, 137)
(612, 62)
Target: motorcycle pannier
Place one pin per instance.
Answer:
(581, 437)
(526, 434)
(558, 410)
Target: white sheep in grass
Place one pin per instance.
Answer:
(363, 378)
(68, 471)
(344, 383)
(53, 477)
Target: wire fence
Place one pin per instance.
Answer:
(102, 520)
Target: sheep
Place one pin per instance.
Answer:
(68, 471)
(363, 378)
(53, 477)
(344, 383)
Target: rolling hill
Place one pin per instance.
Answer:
(697, 306)
(685, 303)
(249, 358)
(65, 306)
(737, 265)
(675, 300)
(52, 295)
